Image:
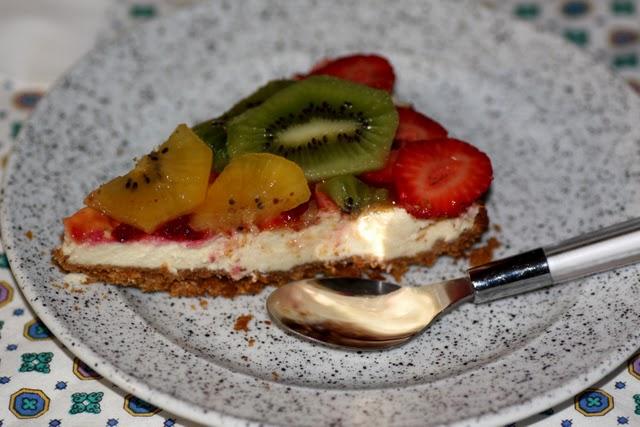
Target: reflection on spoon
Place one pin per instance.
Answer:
(372, 315)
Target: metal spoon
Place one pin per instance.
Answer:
(356, 313)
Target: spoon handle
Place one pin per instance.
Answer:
(602, 250)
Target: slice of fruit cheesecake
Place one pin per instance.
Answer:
(318, 174)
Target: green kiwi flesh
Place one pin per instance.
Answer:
(327, 125)
(214, 134)
(256, 98)
(351, 194)
(214, 131)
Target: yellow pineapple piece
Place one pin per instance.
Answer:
(165, 184)
(252, 188)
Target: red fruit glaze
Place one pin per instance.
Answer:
(91, 226)
(179, 230)
(286, 219)
(371, 70)
(88, 225)
(127, 233)
(441, 178)
(384, 176)
(414, 126)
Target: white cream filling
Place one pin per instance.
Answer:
(381, 235)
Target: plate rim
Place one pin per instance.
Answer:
(190, 411)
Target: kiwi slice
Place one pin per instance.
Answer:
(169, 182)
(351, 194)
(257, 98)
(213, 131)
(327, 125)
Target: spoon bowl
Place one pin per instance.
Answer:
(356, 313)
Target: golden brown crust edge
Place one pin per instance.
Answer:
(200, 282)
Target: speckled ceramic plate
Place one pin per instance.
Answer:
(561, 131)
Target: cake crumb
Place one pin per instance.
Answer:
(398, 272)
(74, 282)
(193, 307)
(245, 358)
(483, 254)
(29, 234)
(275, 376)
(242, 323)
(376, 275)
(497, 228)
(204, 303)
(251, 342)
(266, 322)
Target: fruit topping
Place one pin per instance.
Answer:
(127, 233)
(382, 176)
(165, 184)
(179, 230)
(440, 178)
(351, 194)
(252, 188)
(256, 98)
(214, 132)
(88, 225)
(324, 202)
(295, 218)
(415, 126)
(328, 126)
(371, 70)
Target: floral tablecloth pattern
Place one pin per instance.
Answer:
(43, 384)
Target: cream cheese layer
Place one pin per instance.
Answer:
(379, 235)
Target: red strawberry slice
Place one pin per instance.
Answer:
(441, 178)
(382, 176)
(321, 64)
(370, 70)
(324, 202)
(88, 225)
(415, 126)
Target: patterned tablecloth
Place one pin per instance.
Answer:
(42, 384)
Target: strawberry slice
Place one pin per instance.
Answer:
(370, 70)
(382, 176)
(441, 178)
(324, 202)
(88, 225)
(415, 126)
